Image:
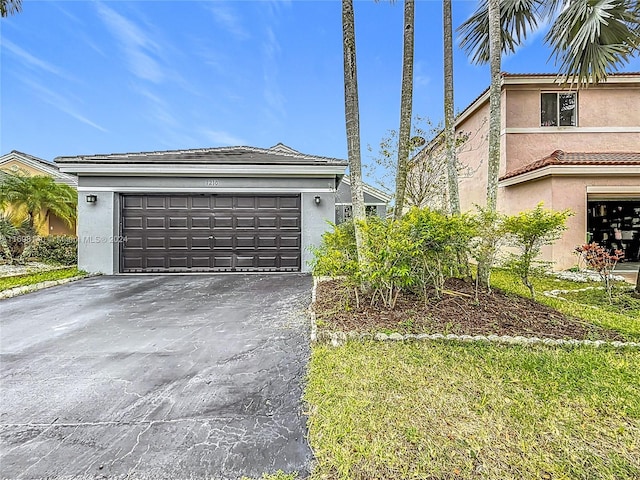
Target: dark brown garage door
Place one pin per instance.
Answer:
(209, 233)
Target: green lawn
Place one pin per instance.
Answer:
(592, 306)
(382, 410)
(32, 278)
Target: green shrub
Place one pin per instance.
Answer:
(438, 243)
(60, 249)
(337, 255)
(414, 253)
(388, 251)
(529, 231)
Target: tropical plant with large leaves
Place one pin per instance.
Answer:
(588, 38)
(38, 196)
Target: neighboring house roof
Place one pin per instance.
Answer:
(44, 166)
(279, 154)
(374, 192)
(559, 158)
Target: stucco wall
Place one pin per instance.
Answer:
(98, 233)
(472, 156)
(98, 249)
(614, 108)
(560, 193)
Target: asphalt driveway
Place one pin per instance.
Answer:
(155, 377)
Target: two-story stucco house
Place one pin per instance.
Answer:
(575, 149)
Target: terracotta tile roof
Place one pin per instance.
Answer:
(553, 75)
(560, 157)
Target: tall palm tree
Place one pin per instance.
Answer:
(352, 120)
(406, 104)
(449, 128)
(38, 196)
(10, 7)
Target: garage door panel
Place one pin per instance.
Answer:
(154, 223)
(178, 262)
(222, 222)
(133, 223)
(156, 203)
(200, 242)
(268, 222)
(289, 203)
(222, 202)
(156, 243)
(289, 223)
(131, 202)
(200, 223)
(290, 242)
(178, 243)
(246, 222)
(268, 203)
(246, 242)
(182, 233)
(155, 262)
(201, 203)
(247, 203)
(178, 222)
(133, 242)
(180, 203)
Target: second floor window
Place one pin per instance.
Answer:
(558, 109)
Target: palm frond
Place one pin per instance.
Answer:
(592, 37)
(517, 18)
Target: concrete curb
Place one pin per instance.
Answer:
(16, 291)
(338, 338)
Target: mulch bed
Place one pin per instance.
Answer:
(457, 312)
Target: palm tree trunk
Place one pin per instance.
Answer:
(352, 119)
(449, 130)
(495, 53)
(406, 104)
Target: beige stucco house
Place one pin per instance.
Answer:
(575, 149)
(20, 163)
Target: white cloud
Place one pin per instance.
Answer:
(228, 20)
(61, 103)
(139, 48)
(31, 60)
(272, 95)
(220, 137)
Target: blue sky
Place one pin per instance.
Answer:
(83, 77)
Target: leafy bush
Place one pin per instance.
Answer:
(529, 231)
(16, 238)
(438, 241)
(600, 260)
(485, 245)
(388, 249)
(60, 249)
(414, 253)
(337, 255)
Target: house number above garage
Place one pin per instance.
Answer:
(213, 182)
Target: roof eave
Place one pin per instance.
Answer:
(223, 170)
(570, 170)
